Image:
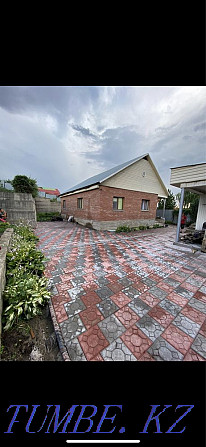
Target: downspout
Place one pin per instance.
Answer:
(180, 214)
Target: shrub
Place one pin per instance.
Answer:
(156, 226)
(46, 217)
(4, 226)
(123, 229)
(26, 289)
(142, 227)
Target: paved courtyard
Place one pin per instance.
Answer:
(125, 297)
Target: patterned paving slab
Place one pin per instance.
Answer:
(125, 297)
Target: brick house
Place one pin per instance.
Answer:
(124, 195)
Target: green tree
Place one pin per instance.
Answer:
(22, 183)
(170, 202)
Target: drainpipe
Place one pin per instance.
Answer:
(180, 214)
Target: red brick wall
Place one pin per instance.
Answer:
(131, 204)
(91, 205)
(98, 204)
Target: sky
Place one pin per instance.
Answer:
(61, 136)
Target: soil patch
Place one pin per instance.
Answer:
(32, 340)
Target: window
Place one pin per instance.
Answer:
(64, 203)
(117, 203)
(80, 203)
(145, 205)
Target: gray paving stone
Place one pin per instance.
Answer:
(75, 351)
(101, 281)
(117, 351)
(150, 327)
(139, 307)
(74, 307)
(199, 345)
(111, 328)
(170, 307)
(150, 282)
(104, 292)
(199, 305)
(161, 350)
(107, 307)
(185, 324)
(125, 281)
(159, 293)
(77, 281)
(76, 292)
(199, 273)
(194, 282)
(131, 292)
(71, 328)
(172, 282)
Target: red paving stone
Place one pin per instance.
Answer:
(140, 286)
(149, 299)
(91, 316)
(115, 287)
(193, 356)
(146, 357)
(194, 314)
(200, 296)
(136, 341)
(177, 338)
(120, 299)
(177, 299)
(90, 298)
(127, 316)
(203, 329)
(161, 315)
(92, 342)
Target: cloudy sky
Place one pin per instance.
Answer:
(63, 135)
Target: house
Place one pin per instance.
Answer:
(191, 178)
(124, 195)
(50, 193)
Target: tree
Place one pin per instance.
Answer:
(22, 183)
(170, 202)
(189, 198)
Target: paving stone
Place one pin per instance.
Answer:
(111, 328)
(185, 324)
(117, 351)
(104, 292)
(75, 351)
(150, 282)
(125, 282)
(170, 307)
(159, 293)
(76, 292)
(131, 292)
(92, 342)
(91, 316)
(107, 307)
(177, 338)
(203, 289)
(74, 307)
(199, 273)
(136, 341)
(199, 345)
(199, 305)
(120, 299)
(161, 350)
(139, 307)
(172, 282)
(184, 292)
(193, 356)
(150, 327)
(71, 328)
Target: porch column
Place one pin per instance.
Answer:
(180, 214)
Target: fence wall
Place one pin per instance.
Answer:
(19, 207)
(44, 205)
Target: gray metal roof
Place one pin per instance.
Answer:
(103, 175)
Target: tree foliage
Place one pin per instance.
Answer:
(22, 183)
(170, 202)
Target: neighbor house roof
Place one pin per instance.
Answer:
(52, 191)
(99, 178)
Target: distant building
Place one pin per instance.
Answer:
(124, 195)
(50, 193)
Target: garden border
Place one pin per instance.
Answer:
(4, 245)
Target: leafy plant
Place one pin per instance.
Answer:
(46, 217)
(142, 227)
(26, 288)
(156, 226)
(123, 229)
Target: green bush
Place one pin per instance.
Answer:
(123, 229)
(4, 226)
(142, 227)
(156, 226)
(26, 288)
(46, 217)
